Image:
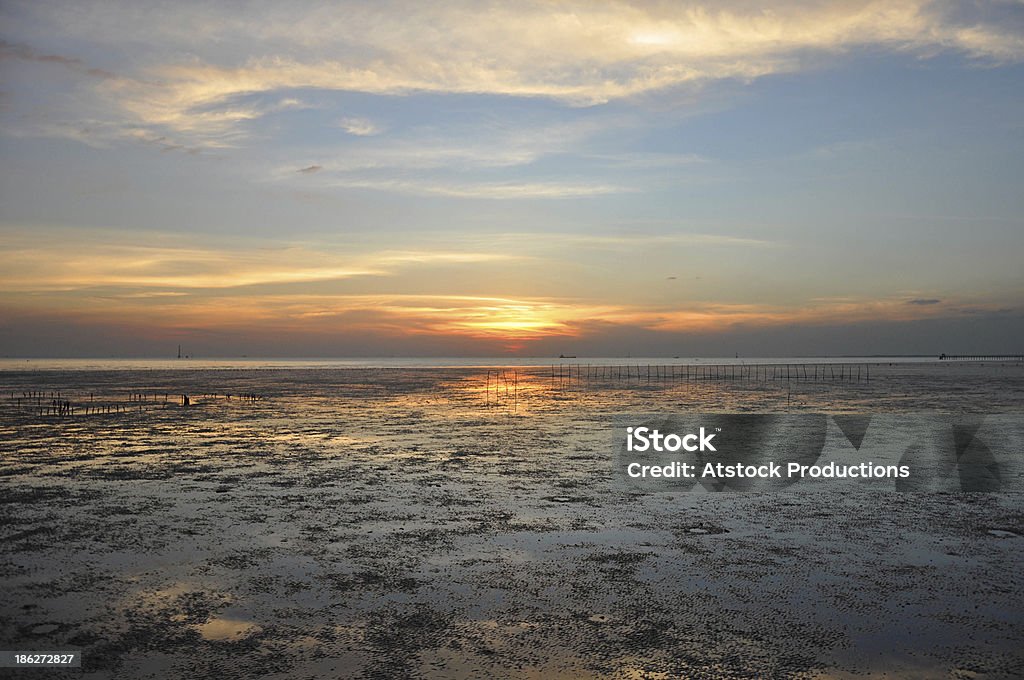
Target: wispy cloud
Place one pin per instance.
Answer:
(161, 261)
(623, 242)
(360, 127)
(579, 53)
(479, 146)
(12, 51)
(717, 317)
(482, 190)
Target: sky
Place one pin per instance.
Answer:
(529, 178)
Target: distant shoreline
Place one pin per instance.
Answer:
(213, 363)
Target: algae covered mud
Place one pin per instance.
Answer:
(462, 522)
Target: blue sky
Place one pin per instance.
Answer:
(529, 178)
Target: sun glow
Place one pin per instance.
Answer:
(476, 296)
(495, 318)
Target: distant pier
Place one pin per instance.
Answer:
(981, 357)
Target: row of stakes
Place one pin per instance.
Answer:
(55, 403)
(506, 388)
(501, 387)
(566, 374)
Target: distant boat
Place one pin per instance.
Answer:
(566, 356)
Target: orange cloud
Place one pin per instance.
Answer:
(515, 322)
(267, 289)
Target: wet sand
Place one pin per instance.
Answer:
(396, 523)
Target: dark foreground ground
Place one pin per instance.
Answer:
(365, 523)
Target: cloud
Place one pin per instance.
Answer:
(718, 317)
(63, 261)
(644, 161)
(290, 103)
(26, 53)
(578, 53)
(431, 163)
(360, 127)
(310, 169)
(483, 190)
(923, 301)
(169, 281)
(479, 146)
(480, 317)
(623, 242)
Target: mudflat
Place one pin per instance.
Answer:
(432, 523)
